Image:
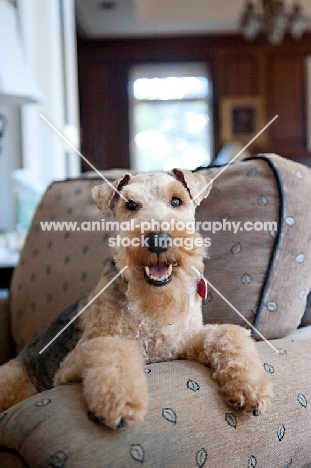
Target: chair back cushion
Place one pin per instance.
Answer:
(255, 271)
(57, 267)
(264, 271)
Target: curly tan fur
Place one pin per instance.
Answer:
(15, 384)
(136, 321)
(158, 323)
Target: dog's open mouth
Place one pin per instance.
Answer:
(158, 275)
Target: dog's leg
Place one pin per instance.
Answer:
(114, 384)
(232, 354)
(15, 384)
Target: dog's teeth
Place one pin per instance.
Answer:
(159, 279)
(156, 279)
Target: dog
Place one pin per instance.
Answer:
(150, 312)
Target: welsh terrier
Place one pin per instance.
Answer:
(150, 313)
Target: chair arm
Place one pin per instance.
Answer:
(6, 341)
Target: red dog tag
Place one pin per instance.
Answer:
(202, 288)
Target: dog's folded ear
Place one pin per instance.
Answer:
(106, 195)
(197, 185)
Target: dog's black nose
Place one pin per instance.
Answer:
(158, 242)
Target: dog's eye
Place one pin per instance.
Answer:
(131, 205)
(175, 202)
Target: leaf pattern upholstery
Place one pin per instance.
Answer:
(182, 428)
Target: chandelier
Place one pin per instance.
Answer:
(271, 18)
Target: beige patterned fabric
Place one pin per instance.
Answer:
(238, 261)
(290, 274)
(57, 267)
(266, 274)
(188, 423)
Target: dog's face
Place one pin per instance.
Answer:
(157, 239)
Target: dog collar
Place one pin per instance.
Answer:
(202, 288)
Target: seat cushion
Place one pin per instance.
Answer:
(188, 423)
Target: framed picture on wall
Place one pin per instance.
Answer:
(241, 119)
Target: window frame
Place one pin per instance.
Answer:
(163, 70)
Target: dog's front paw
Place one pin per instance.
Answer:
(113, 401)
(249, 392)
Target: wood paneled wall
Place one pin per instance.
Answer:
(239, 68)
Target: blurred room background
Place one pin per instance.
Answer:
(145, 85)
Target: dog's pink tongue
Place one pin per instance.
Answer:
(158, 271)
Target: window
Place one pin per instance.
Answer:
(170, 107)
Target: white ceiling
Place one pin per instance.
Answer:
(134, 18)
